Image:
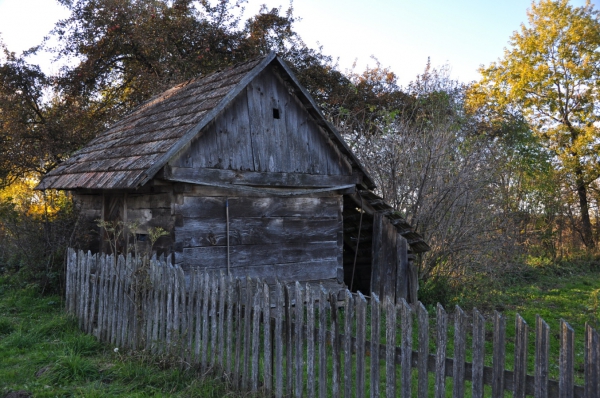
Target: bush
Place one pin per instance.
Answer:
(35, 230)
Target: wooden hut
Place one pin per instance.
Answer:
(246, 175)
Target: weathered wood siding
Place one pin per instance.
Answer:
(265, 129)
(291, 238)
(390, 265)
(147, 208)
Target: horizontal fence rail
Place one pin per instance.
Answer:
(298, 340)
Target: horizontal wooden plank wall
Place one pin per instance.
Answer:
(290, 238)
(329, 347)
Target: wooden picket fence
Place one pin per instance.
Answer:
(296, 341)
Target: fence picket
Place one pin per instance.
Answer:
(229, 347)
(390, 349)
(406, 360)
(212, 342)
(335, 347)
(361, 310)
(156, 284)
(197, 320)
(375, 337)
(255, 337)
(100, 278)
(221, 322)
(238, 335)
(423, 321)
(299, 310)
(205, 322)
(310, 343)
(289, 340)
(279, 336)
(267, 346)
(499, 355)
(246, 346)
(542, 347)
(566, 360)
(113, 300)
(440, 358)
(520, 372)
(80, 286)
(175, 326)
(125, 305)
(86, 290)
(478, 353)
(322, 343)
(591, 363)
(169, 308)
(348, 315)
(458, 366)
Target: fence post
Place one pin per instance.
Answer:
(279, 336)
(221, 319)
(390, 348)
(478, 353)
(238, 335)
(566, 360)
(322, 343)
(335, 345)
(205, 324)
(591, 362)
(423, 320)
(440, 358)
(100, 276)
(255, 336)
(520, 373)
(348, 315)
(230, 288)
(247, 333)
(361, 307)
(458, 366)
(299, 340)
(406, 360)
(310, 343)
(375, 337)
(542, 346)
(499, 355)
(289, 338)
(268, 356)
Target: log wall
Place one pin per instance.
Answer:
(290, 238)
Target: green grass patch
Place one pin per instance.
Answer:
(43, 352)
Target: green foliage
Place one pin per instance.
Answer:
(551, 73)
(35, 230)
(435, 290)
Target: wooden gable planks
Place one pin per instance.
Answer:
(265, 129)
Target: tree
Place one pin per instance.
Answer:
(551, 73)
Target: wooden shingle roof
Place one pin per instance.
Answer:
(132, 151)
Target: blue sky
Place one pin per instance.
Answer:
(402, 34)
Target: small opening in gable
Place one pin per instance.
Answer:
(275, 113)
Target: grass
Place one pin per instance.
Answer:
(554, 291)
(43, 352)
